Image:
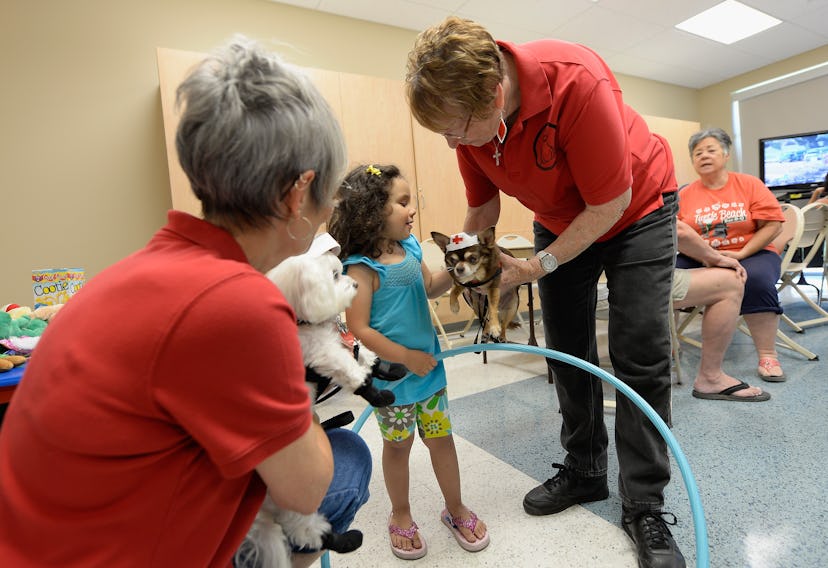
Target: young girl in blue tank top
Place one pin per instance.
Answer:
(390, 315)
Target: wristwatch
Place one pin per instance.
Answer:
(549, 262)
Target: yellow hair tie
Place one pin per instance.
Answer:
(372, 170)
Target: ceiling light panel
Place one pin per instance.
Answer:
(728, 22)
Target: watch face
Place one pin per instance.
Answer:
(549, 262)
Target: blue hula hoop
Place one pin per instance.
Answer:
(699, 526)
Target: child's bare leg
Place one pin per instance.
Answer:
(395, 469)
(447, 470)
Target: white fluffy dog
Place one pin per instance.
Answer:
(318, 291)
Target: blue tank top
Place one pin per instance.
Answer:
(399, 311)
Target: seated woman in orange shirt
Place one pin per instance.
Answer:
(739, 216)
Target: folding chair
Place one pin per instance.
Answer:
(787, 243)
(522, 247)
(824, 270)
(815, 226)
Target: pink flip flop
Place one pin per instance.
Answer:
(453, 523)
(766, 364)
(408, 533)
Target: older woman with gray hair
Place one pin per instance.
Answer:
(738, 216)
(150, 437)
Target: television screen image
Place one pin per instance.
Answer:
(796, 161)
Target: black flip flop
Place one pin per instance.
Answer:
(727, 394)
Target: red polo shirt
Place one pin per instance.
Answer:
(574, 142)
(146, 406)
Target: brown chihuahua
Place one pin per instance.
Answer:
(473, 260)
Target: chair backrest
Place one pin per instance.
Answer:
(787, 241)
(512, 240)
(433, 255)
(815, 225)
(518, 245)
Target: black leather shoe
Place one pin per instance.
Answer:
(563, 491)
(653, 541)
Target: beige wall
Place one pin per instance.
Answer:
(83, 173)
(715, 107)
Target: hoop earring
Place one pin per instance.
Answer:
(502, 129)
(304, 237)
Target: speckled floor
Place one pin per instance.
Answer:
(759, 468)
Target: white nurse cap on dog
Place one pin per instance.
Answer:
(461, 241)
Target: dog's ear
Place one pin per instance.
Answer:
(288, 277)
(441, 240)
(487, 236)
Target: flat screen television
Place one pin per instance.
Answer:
(794, 162)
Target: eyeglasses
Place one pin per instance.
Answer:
(465, 131)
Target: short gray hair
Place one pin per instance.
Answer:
(720, 135)
(251, 125)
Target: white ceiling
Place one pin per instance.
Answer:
(635, 37)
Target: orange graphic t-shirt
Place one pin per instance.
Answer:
(726, 217)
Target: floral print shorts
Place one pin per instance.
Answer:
(430, 416)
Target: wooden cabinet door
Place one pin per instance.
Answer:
(677, 133)
(328, 84)
(515, 218)
(377, 124)
(173, 67)
(441, 194)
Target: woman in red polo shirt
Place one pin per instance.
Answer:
(169, 394)
(545, 122)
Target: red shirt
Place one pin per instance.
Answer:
(574, 142)
(726, 217)
(150, 399)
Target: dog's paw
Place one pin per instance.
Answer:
(454, 305)
(388, 371)
(342, 543)
(493, 330)
(382, 398)
(373, 395)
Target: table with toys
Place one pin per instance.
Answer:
(20, 329)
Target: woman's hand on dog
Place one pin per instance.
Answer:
(419, 362)
(517, 271)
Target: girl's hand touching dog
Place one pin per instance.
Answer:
(419, 362)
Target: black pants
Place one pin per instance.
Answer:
(639, 265)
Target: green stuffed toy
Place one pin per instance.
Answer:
(23, 326)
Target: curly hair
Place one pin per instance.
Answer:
(453, 70)
(358, 220)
